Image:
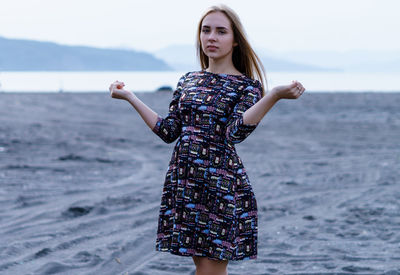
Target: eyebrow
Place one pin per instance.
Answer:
(218, 28)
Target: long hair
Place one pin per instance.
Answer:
(244, 58)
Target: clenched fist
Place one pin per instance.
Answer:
(117, 90)
(291, 91)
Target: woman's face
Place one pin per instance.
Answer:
(216, 36)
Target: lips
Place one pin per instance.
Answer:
(212, 47)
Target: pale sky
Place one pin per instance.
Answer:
(278, 25)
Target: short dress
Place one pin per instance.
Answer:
(208, 207)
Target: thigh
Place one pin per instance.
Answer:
(195, 260)
(206, 264)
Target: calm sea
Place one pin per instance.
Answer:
(150, 81)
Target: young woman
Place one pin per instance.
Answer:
(208, 208)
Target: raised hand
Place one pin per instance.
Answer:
(291, 91)
(117, 90)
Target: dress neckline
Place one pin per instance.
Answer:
(221, 74)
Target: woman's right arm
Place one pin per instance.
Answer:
(168, 128)
(148, 115)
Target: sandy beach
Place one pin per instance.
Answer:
(81, 177)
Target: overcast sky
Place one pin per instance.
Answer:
(282, 25)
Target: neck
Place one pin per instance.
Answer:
(222, 66)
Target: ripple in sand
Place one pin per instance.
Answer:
(77, 211)
(86, 257)
(43, 252)
(74, 157)
(290, 183)
(23, 201)
(353, 268)
(309, 218)
(53, 268)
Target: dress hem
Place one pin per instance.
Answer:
(254, 257)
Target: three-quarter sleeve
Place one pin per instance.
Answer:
(236, 131)
(169, 128)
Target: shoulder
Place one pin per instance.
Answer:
(190, 75)
(194, 74)
(255, 83)
(254, 87)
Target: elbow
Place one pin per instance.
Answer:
(231, 138)
(170, 137)
(167, 132)
(237, 135)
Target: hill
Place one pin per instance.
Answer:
(183, 58)
(30, 55)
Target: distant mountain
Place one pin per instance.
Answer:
(29, 55)
(352, 60)
(183, 58)
(179, 57)
(276, 64)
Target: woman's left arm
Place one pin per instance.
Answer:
(255, 113)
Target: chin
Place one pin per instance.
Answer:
(213, 56)
(217, 56)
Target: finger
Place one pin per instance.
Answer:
(299, 90)
(119, 85)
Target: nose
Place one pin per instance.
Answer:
(212, 36)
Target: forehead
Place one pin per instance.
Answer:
(216, 19)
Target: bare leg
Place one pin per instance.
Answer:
(205, 266)
(196, 260)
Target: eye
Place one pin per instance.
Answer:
(205, 30)
(221, 32)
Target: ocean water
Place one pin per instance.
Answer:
(150, 81)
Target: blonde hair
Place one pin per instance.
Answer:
(244, 58)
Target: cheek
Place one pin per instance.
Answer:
(202, 40)
(228, 42)
(228, 39)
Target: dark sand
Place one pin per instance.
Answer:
(81, 177)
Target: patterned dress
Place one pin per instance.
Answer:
(208, 207)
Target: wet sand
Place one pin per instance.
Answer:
(81, 177)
